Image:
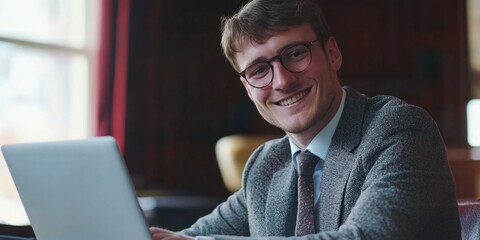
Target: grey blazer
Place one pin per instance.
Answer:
(385, 176)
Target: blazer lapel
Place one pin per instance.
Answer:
(339, 161)
(282, 196)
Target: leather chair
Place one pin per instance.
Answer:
(469, 212)
(232, 153)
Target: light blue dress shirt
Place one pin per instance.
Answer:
(319, 146)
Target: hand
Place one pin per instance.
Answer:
(160, 233)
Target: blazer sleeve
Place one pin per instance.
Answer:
(230, 218)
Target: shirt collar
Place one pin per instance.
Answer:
(321, 142)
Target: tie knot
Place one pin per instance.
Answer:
(306, 162)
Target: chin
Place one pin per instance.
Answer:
(294, 129)
(295, 125)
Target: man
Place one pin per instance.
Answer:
(382, 172)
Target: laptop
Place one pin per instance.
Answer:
(76, 190)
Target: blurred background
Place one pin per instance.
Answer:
(151, 73)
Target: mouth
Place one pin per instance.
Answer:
(293, 99)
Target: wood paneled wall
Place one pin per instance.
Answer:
(183, 95)
(411, 49)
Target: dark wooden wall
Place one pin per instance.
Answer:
(411, 49)
(183, 96)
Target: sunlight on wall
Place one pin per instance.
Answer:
(473, 122)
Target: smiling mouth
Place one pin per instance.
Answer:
(293, 99)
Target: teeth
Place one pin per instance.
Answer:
(293, 99)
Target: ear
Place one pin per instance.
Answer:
(247, 87)
(333, 53)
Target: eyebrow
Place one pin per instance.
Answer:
(255, 61)
(279, 51)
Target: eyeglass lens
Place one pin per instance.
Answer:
(295, 59)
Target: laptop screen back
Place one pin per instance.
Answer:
(76, 190)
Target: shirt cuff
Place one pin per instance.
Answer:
(204, 238)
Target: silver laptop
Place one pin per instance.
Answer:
(76, 190)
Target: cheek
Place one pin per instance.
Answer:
(253, 93)
(259, 98)
(249, 89)
(327, 78)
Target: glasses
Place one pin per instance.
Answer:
(295, 59)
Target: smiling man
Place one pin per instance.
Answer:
(302, 92)
(376, 165)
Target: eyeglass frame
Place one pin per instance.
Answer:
(278, 57)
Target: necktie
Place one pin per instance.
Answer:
(306, 162)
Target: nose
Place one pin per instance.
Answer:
(282, 78)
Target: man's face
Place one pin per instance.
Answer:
(299, 103)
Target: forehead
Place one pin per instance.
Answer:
(251, 50)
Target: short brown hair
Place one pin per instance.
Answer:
(258, 20)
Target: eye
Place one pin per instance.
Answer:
(257, 71)
(295, 54)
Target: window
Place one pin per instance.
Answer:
(46, 69)
(473, 108)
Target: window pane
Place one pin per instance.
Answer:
(49, 21)
(38, 91)
(44, 95)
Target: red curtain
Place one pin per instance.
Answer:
(112, 69)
